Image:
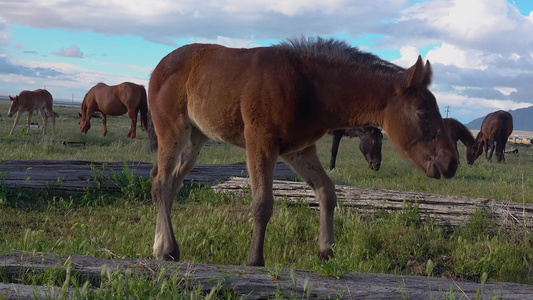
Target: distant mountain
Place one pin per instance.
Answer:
(522, 120)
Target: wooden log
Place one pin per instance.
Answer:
(443, 209)
(254, 282)
(77, 175)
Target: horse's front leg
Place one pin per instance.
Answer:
(337, 136)
(104, 122)
(30, 114)
(307, 165)
(261, 158)
(491, 150)
(17, 117)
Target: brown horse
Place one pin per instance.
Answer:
(495, 130)
(371, 140)
(457, 131)
(115, 100)
(278, 101)
(29, 101)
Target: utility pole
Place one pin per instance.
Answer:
(447, 110)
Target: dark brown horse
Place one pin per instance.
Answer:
(278, 101)
(458, 132)
(495, 130)
(371, 140)
(30, 101)
(115, 100)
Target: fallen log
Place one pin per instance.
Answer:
(77, 175)
(252, 282)
(443, 209)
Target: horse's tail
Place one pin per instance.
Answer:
(144, 108)
(151, 133)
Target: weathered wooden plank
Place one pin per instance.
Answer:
(256, 283)
(444, 209)
(76, 175)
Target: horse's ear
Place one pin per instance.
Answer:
(428, 74)
(79, 114)
(11, 98)
(416, 73)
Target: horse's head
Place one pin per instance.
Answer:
(85, 123)
(14, 106)
(371, 140)
(475, 150)
(413, 122)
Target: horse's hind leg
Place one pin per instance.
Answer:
(307, 165)
(176, 156)
(133, 128)
(53, 117)
(45, 119)
(500, 151)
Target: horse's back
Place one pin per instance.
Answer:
(498, 124)
(220, 89)
(39, 98)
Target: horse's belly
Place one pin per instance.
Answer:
(221, 127)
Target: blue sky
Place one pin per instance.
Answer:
(481, 50)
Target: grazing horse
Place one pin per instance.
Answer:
(495, 130)
(457, 131)
(29, 101)
(371, 140)
(278, 101)
(115, 100)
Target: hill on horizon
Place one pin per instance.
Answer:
(522, 120)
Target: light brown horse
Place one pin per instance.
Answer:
(29, 101)
(278, 101)
(458, 132)
(495, 130)
(115, 100)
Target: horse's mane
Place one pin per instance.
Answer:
(340, 51)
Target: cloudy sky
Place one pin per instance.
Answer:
(481, 50)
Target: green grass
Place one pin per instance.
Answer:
(214, 228)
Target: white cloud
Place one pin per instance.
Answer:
(448, 54)
(469, 108)
(409, 55)
(72, 51)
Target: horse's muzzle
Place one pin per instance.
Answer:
(442, 168)
(374, 166)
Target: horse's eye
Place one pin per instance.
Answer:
(422, 115)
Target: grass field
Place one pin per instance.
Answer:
(213, 228)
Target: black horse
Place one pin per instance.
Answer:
(370, 144)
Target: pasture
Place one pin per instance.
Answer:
(213, 228)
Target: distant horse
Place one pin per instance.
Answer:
(278, 101)
(457, 131)
(115, 100)
(495, 130)
(371, 140)
(29, 101)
